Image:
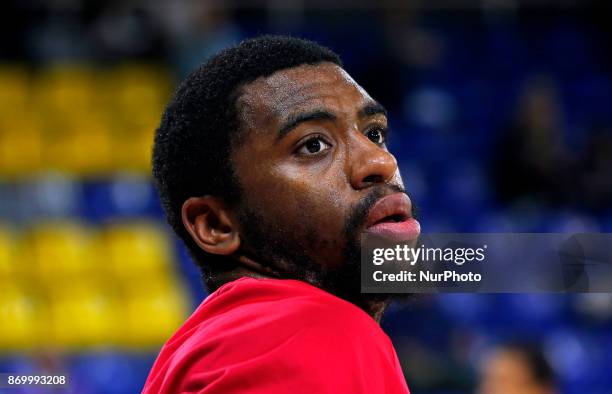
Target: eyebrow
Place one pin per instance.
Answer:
(302, 117)
(370, 109)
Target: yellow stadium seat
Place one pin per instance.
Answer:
(61, 252)
(83, 315)
(141, 88)
(8, 264)
(65, 89)
(153, 313)
(81, 145)
(136, 249)
(15, 92)
(133, 148)
(140, 94)
(20, 316)
(21, 144)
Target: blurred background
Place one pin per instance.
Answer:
(502, 119)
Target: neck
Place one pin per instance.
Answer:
(240, 272)
(379, 310)
(373, 304)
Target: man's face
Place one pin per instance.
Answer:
(508, 372)
(311, 162)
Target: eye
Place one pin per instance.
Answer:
(313, 146)
(377, 135)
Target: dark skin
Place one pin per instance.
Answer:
(312, 147)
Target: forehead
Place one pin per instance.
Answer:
(323, 85)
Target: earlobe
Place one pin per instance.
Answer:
(211, 224)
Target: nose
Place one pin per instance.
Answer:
(370, 164)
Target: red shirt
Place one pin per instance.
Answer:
(277, 336)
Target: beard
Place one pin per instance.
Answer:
(276, 243)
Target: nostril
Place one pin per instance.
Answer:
(373, 179)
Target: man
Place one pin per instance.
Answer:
(271, 161)
(516, 369)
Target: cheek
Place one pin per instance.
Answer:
(310, 214)
(299, 198)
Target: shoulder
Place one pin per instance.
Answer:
(261, 313)
(295, 305)
(260, 327)
(295, 324)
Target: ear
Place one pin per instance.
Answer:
(211, 225)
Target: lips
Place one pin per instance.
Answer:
(391, 217)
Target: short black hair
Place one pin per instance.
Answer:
(199, 128)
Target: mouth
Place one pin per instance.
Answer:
(391, 217)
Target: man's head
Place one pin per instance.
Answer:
(516, 368)
(268, 160)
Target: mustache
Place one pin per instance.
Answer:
(360, 212)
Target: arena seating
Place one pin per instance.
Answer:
(92, 281)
